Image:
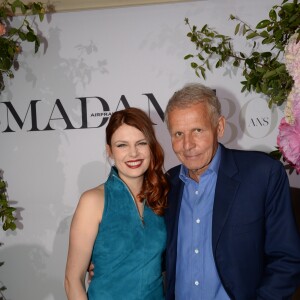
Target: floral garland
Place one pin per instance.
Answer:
(288, 139)
(11, 38)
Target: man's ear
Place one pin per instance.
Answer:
(221, 126)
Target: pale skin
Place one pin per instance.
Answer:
(195, 137)
(131, 153)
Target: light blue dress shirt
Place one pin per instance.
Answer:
(196, 274)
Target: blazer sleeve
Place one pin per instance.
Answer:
(282, 242)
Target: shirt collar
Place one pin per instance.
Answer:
(213, 166)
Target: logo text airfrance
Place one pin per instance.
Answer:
(30, 122)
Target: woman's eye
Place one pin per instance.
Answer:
(143, 143)
(121, 145)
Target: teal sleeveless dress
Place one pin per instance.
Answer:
(127, 253)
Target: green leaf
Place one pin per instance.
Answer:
(202, 70)
(276, 154)
(41, 16)
(273, 15)
(5, 64)
(36, 45)
(22, 35)
(237, 28)
(188, 56)
(266, 54)
(264, 34)
(30, 36)
(288, 7)
(263, 24)
(12, 31)
(236, 63)
(281, 69)
(207, 65)
(217, 65)
(250, 63)
(269, 74)
(200, 56)
(252, 35)
(203, 28)
(194, 65)
(267, 40)
(23, 9)
(293, 18)
(11, 51)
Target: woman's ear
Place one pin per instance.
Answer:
(110, 157)
(108, 151)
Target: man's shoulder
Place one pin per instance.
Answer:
(173, 174)
(251, 157)
(173, 171)
(249, 153)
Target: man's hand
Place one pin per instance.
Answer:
(91, 272)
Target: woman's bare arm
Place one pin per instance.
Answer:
(83, 232)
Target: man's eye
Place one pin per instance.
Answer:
(178, 134)
(198, 130)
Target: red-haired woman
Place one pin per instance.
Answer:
(119, 225)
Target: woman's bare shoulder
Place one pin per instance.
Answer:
(96, 192)
(94, 196)
(91, 204)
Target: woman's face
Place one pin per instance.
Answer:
(130, 151)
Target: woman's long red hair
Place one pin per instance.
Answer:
(155, 186)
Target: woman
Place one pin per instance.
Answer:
(119, 225)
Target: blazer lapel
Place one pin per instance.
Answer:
(174, 204)
(226, 188)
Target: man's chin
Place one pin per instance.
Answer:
(192, 167)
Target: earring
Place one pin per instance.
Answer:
(111, 161)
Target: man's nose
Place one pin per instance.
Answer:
(188, 142)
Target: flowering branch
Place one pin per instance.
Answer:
(265, 71)
(288, 138)
(12, 37)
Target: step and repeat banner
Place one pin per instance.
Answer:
(54, 112)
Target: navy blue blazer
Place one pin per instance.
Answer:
(255, 241)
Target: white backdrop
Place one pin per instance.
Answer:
(90, 64)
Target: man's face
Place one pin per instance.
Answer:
(195, 137)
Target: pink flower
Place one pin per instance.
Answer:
(288, 139)
(2, 29)
(292, 101)
(292, 57)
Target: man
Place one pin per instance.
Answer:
(230, 227)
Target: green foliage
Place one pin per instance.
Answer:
(11, 40)
(7, 218)
(6, 211)
(264, 71)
